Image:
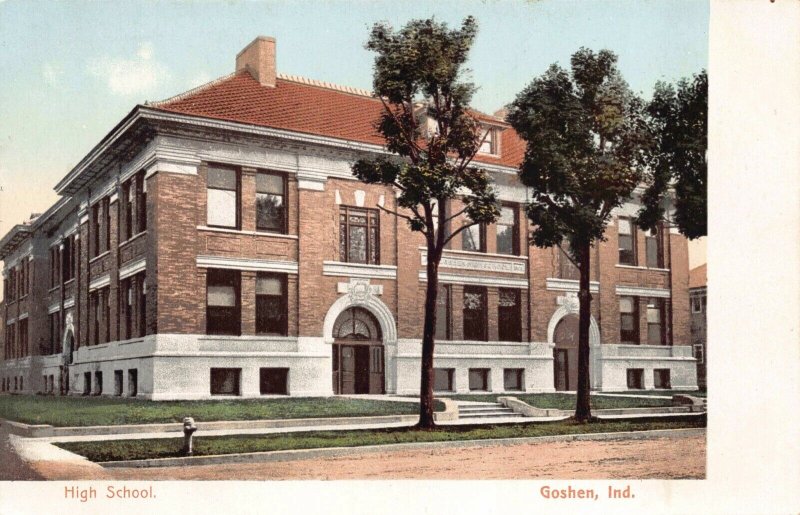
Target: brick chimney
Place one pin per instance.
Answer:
(258, 58)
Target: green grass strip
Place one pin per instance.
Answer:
(101, 411)
(214, 445)
(566, 401)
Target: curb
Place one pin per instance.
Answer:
(46, 431)
(306, 454)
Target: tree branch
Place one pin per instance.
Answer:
(458, 231)
(395, 213)
(453, 216)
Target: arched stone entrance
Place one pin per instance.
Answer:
(562, 335)
(358, 357)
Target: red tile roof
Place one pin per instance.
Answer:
(307, 108)
(698, 276)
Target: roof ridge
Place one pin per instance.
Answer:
(187, 93)
(327, 85)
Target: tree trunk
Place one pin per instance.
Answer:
(583, 411)
(428, 332)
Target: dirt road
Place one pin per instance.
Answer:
(674, 457)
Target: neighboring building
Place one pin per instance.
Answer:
(697, 301)
(217, 244)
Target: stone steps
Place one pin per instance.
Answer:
(485, 411)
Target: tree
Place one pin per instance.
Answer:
(678, 121)
(585, 134)
(427, 124)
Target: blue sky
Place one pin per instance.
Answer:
(72, 70)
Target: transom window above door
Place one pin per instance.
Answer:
(356, 324)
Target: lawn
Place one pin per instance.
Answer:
(214, 445)
(85, 411)
(695, 393)
(566, 401)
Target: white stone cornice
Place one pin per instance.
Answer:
(640, 291)
(501, 282)
(556, 284)
(100, 282)
(254, 265)
(341, 269)
(68, 303)
(132, 268)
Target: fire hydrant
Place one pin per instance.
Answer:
(189, 427)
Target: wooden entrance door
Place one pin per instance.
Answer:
(347, 367)
(565, 353)
(358, 369)
(561, 369)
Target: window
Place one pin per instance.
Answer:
(141, 299)
(95, 230)
(443, 313)
(52, 384)
(443, 379)
(512, 379)
(55, 332)
(271, 305)
(141, 203)
(489, 144)
(68, 259)
(661, 379)
(473, 238)
(100, 227)
(55, 260)
(223, 197)
(98, 383)
(105, 306)
(126, 300)
(627, 242)
(133, 382)
(128, 200)
(118, 383)
(94, 316)
(507, 241)
(23, 336)
(479, 379)
(698, 304)
(226, 381)
(475, 313)
(655, 322)
(270, 202)
(359, 235)
(652, 244)
(635, 378)
(566, 267)
(222, 305)
(629, 320)
(508, 314)
(274, 381)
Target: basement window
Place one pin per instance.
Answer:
(226, 381)
(635, 378)
(443, 379)
(661, 379)
(479, 379)
(512, 379)
(274, 381)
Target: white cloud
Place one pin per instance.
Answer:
(52, 73)
(140, 74)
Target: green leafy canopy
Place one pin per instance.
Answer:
(679, 122)
(426, 122)
(587, 135)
